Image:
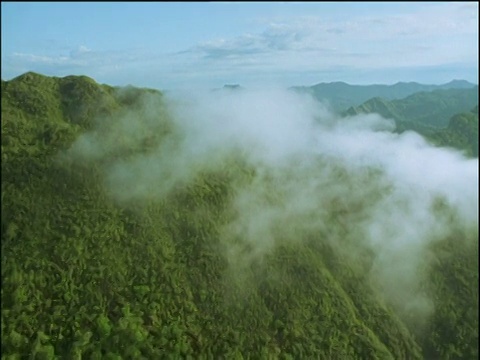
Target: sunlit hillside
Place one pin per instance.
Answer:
(230, 225)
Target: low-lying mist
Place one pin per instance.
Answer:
(349, 181)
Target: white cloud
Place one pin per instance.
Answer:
(438, 35)
(432, 36)
(363, 34)
(81, 60)
(39, 59)
(305, 159)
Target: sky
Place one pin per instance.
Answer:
(182, 45)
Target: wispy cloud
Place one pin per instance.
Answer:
(81, 57)
(372, 35)
(436, 35)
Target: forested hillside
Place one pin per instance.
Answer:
(446, 117)
(427, 108)
(461, 132)
(115, 244)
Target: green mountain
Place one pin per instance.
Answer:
(85, 275)
(461, 133)
(342, 96)
(442, 116)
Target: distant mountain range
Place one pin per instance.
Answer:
(341, 96)
(433, 108)
(447, 117)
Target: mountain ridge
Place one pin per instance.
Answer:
(340, 95)
(432, 115)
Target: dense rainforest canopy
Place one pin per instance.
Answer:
(89, 272)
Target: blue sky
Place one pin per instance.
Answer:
(206, 45)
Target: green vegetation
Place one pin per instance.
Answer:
(445, 117)
(433, 108)
(87, 276)
(461, 133)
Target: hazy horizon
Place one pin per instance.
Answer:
(207, 45)
(181, 90)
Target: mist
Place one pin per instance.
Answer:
(351, 182)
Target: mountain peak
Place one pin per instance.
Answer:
(79, 78)
(29, 76)
(232, 87)
(458, 82)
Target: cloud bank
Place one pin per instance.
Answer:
(349, 182)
